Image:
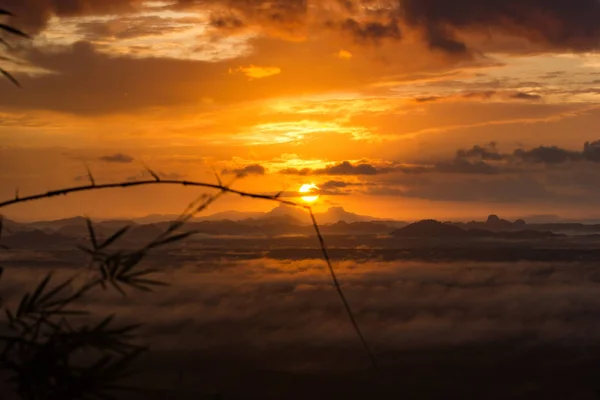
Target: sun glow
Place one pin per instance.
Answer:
(309, 188)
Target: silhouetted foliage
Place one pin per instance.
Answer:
(10, 30)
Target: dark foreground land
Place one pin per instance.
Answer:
(485, 371)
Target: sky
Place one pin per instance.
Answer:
(403, 109)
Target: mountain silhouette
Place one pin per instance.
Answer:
(331, 216)
(434, 229)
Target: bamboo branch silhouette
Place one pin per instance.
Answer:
(223, 189)
(87, 188)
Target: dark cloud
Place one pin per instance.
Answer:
(343, 168)
(117, 158)
(161, 174)
(33, 15)
(252, 169)
(548, 155)
(285, 15)
(226, 22)
(371, 31)
(571, 24)
(428, 99)
(591, 151)
(339, 188)
(462, 166)
(487, 152)
(296, 171)
(440, 38)
(502, 190)
(445, 25)
(526, 96)
(92, 82)
(537, 155)
(347, 168)
(475, 160)
(481, 95)
(335, 185)
(566, 24)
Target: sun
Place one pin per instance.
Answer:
(309, 188)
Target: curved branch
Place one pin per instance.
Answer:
(87, 188)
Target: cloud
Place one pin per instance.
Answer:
(481, 95)
(548, 155)
(252, 169)
(223, 316)
(161, 174)
(254, 72)
(343, 168)
(477, 160)
(537, 155)
(33, 15)
(557, 23)
(344, 55)
(117, 158)
(487, 152)
(236, 306)
(372, 30)
(591, 151)
(339, 188)
(335, 185)
(501, 190)
(526, 96)
(462, 166)
(346, 168)
(283, 18)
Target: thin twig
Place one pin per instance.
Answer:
(338, 287)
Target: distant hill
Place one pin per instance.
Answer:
(435, 229)
(56, 224)
(496, 224)
(36, 239)
(231, 215)
(331, 216)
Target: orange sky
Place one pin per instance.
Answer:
(397, 108)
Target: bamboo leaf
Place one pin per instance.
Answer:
(38, 291)
(23, 305)
(50, 294)
(90, 176)
(14, 31)
(92, 233)
(114, 237)
(16, 83)
(7, 45)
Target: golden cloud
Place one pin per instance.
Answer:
(255, 72)
(344, 55)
